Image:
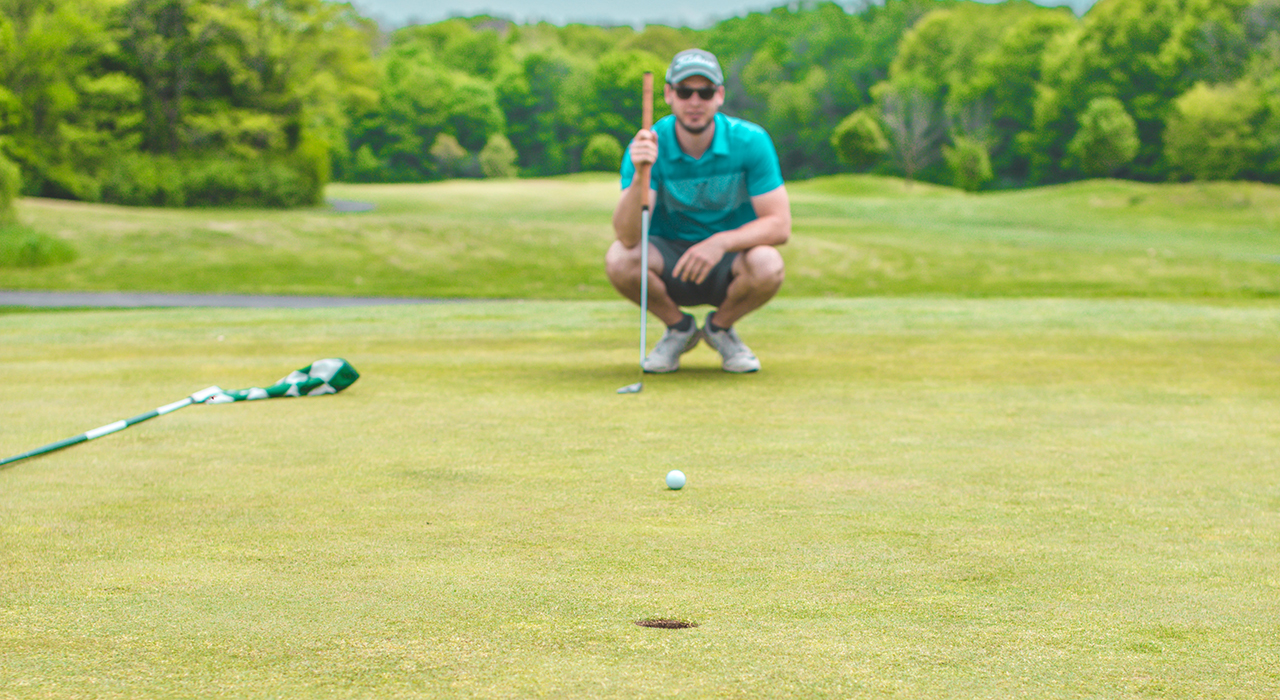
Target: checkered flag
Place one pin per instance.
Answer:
(320, 377)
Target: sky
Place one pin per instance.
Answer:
(696, 13)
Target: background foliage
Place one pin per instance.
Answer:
(195, 102)
(208, 102)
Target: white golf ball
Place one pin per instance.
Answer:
(675, 479)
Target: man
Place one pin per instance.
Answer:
(719, 208)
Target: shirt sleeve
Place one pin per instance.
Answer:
(628, 168)
(764, 174)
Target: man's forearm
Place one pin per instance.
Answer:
(767, 230)
(626, 217)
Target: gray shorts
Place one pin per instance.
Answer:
(712, 290)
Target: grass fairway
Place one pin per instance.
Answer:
(916, 498)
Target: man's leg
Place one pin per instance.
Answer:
(757, 276)
(622, 265)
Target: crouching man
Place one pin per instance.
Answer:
(719, 209)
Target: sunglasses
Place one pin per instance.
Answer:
(705, 93)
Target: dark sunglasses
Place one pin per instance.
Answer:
(705, 93)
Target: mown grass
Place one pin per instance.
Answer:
(915, 498)
(24, 247)
(544, 239)
(1006, 445)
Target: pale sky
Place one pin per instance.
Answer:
(693, 13)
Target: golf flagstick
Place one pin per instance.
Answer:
(646, 120)
(198, 397)
(320, 377)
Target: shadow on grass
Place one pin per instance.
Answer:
(612, 377)
(11, 465)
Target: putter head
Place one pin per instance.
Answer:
(632, 388)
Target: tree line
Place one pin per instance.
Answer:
(211, 102)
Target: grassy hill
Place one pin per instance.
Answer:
(545, 239)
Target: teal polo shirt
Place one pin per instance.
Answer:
(697, 198)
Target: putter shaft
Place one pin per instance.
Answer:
(642, 178)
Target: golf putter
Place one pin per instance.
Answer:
(646, 119)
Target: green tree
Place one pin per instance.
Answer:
(1262, 28)
(66, 109)
(833, 54)
(419, 99)
(801, 138)
(1106, 140)
(859, 140)
(328, 53)
(472, 112)
(613, 105)
(969, 162)
(365, 166)
(585, 40)
(663, 42)
(10, 186)
(603, 153)
(450, 157)
(532, 98)
(915, 124)
(247, 78)
(943, 53)
(475, 47)
(1141, 52)
(172, 49)
(498, 158)
(1006, 79)
(91, 83)
(1214, 133)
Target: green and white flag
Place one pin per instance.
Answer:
(320, 377)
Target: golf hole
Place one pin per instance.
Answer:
(667, 624)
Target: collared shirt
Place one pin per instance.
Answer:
(700, 197)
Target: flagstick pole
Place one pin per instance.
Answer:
(198, 397)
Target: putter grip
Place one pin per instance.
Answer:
(646, 122)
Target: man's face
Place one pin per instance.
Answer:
(694, 112)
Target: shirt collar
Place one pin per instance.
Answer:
(719, 141)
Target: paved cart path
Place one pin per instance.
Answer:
(152, 299)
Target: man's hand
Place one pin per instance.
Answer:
(772, 227)
(626, 216)
(644, 148)
(697, 261)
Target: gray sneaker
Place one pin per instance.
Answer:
(735, 355)
(666, 354)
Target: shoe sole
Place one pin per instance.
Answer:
(741, 371)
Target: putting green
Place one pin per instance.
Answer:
(915, 498)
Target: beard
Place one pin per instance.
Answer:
(695, 130)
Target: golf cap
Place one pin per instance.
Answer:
(693, 62)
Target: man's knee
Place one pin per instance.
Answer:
(763, 265)
(620, 261)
